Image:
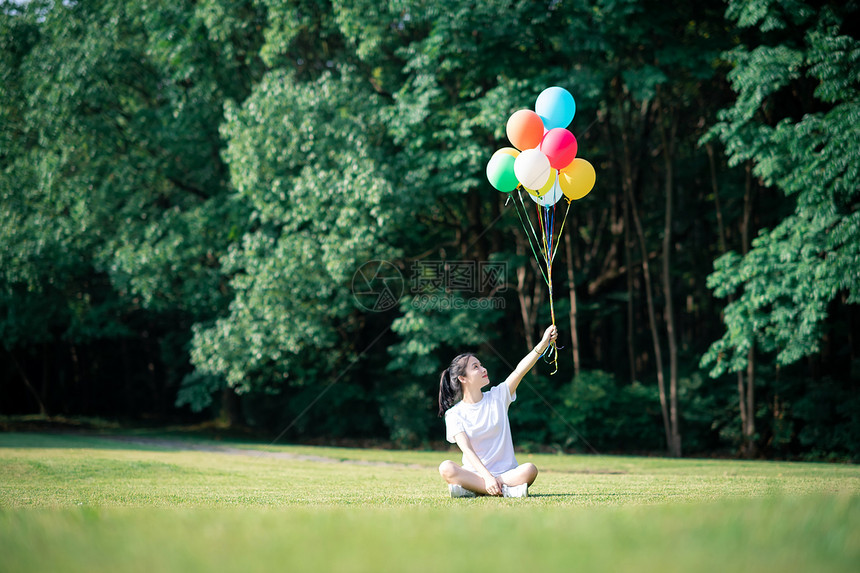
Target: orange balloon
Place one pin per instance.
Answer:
(577, 179)
(525, 129)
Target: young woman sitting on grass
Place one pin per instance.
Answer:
(478, 423)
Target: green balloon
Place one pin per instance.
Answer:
(500, 171)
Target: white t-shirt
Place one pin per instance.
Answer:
(486, 423)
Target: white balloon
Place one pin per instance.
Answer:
(550, 198)
(532, 168)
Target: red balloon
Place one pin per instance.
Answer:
(560, 146)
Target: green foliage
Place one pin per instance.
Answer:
(769, 15)
(115, 210)
(609, 415)
(785, 285)
(187, 190)
(828, 419)
(444, 326)
(789, 280)
(305, 157)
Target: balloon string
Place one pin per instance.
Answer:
(528, 236)
(546, 224)
(563, 221)
(552, 228)
(522, 203)
(535, 246)
(542, 223)
(551, 355)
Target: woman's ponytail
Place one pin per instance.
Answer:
(450, 390)
(447, 393)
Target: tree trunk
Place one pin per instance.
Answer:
(668, 137)
(630, 164)
(668, 153)
(46, 377)
(721, 228)
(630, 159)
(574, 339)
(77, 384)
(652, 320)
(744, 392)
(749, 449)
(231, 411)
(745, 225)
(42, 410)
(628, 256)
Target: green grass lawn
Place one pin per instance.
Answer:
(78, 503)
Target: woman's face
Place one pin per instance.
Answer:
(476, 374)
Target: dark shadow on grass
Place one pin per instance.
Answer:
(600, 495)
(76, 441)
(590, 472)
(85, 441)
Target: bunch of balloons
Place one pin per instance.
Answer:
(543, 159)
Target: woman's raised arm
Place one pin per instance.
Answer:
(530, 359)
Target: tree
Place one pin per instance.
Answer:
(189, 190)
(795, 119)
(114, 192)
(307, 158)
(658, 61)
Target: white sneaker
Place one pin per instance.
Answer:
(521, 490)
(460, 491)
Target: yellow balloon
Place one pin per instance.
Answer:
(577, 179)
(553, 175)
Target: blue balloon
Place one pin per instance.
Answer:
(556, 107)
